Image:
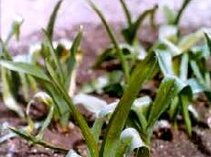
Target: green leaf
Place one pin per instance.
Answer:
(34, 140)
(140, 19)
(97, 128)
(174, 109)
(168, 89)
(197, 72)
(189, 40)
(51, 22)
(4, 53)
(25, 68)
(52, 72)
(169, 15)
(208, 39)
(185, 98)
(25, 85)
(130, 33)
(61, 104)
(126, 12)
(15, 30)
(59, 71)
(72, 60)
(141, 73)
(86, 132)
(120, 55)
(180, 12)
(8, 93)
(62, 112)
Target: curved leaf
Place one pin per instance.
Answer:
(25, 68)
(91, 103)
(131, 140)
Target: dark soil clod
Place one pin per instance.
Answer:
(202, 139)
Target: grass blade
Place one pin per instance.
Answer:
(51, 22)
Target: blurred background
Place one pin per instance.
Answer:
(74, 12)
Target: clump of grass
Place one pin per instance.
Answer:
(130, 121)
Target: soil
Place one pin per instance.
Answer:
(177, 144)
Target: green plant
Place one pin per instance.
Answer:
(10, 80)
(131, 31)
(127, 53)
(184, 57)
(131, 120)
(117, 122)
(52, 80)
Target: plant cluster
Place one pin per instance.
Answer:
(49, 72)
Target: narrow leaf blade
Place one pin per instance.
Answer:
(25, 68)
